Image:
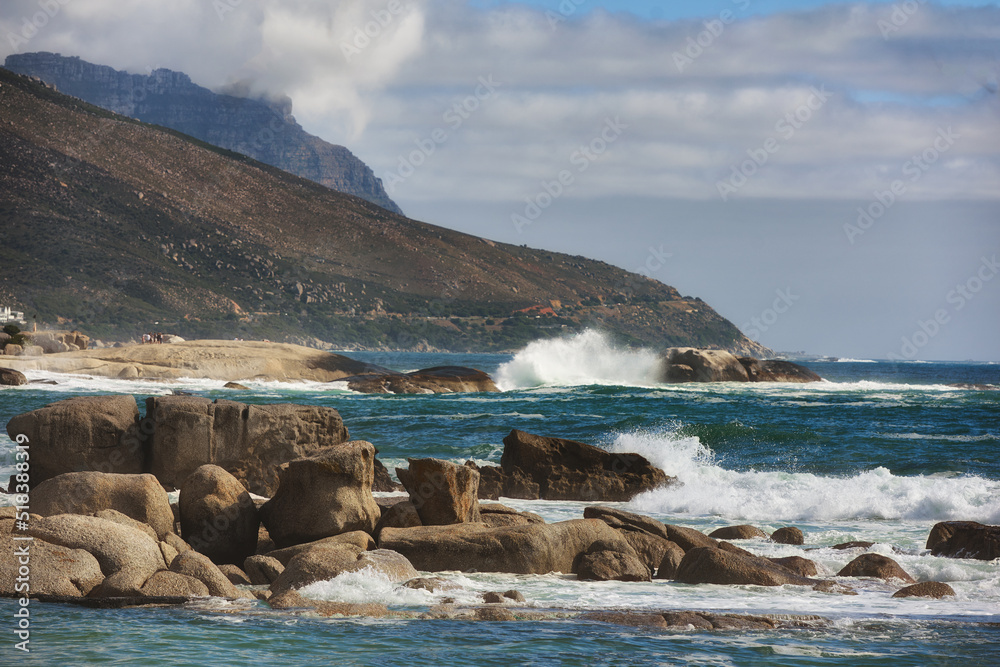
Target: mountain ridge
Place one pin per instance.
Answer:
(262, 129)
(116, 227)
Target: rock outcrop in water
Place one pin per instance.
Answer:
(964, 539)
(538, 467)
(262, 129)
(689, 364)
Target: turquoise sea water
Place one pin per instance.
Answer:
(879, 452)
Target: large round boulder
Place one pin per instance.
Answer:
(926, 589)
(55, 570)
(323, 495)
(218, 516)
(707, 565)
(139, 497)
(11, 378)
(127, 556)
(876, 566)
(324, 562)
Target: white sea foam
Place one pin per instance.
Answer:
(707, 489)
(587, 358)
(856, 361)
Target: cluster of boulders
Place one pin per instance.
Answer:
(691, 364)
(33, 344)
(437, 380)
(116, 534)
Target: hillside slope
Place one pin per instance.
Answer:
(116, 227)
(264, 131)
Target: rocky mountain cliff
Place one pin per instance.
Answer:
(263, 130)
(116, 227)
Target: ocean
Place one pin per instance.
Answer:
(879, 452)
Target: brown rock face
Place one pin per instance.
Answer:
(743, 532)
(788, 535)
(442, 492)
(198, 566)
(321, 563)
(262, 570)
(688, 364)
(667, 569)
(126, 555)
(797, 564)
(218, 517)
(569, 470)
(83, 433)
(323, 495)
(612, 565)
(697, 365)
(777, 370)
(964, 539)
(437, 380)
(877, 566)
(705, 565)
(496, 515)
(926, 589)
(11, 378)
(137, 496)
(249, 441)
(55, 570)
(531, 549)
(167, 583)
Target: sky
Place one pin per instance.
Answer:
(824, 174)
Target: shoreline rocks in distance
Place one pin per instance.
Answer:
(689, 364)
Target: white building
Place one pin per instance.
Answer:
(8, 316)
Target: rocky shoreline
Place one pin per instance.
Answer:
(114, 538)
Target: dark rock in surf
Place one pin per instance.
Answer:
(788, 535)
(569, 470)
(742, 532)
(964, 539)
(437, 380)
(876, 566)
(926, 589)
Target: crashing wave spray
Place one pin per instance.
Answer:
(707, 489)
(586, 358)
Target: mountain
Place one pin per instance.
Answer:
(115, 227)
(264, 130)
